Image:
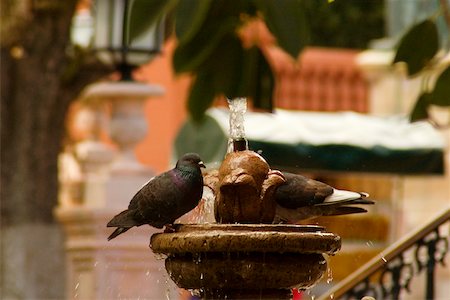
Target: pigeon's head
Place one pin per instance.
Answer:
(190, 159)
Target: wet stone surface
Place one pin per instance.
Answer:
(240, 258)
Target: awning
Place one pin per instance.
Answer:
(320, 141)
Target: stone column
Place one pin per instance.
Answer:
(124, 267)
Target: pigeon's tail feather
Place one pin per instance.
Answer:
(124, 219)
(346, 198)
(344, 210)
(345, 202)
(340, 195)
(361, 201)
(118, 231)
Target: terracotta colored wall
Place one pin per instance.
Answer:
(166, 113)
(323, 79)
(320, 79)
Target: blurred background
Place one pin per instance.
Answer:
(81, 132)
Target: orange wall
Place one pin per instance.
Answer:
(166, 113)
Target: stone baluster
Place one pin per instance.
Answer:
(107, 180)
(84, 166)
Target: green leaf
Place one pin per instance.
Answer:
(192, 137)
(441, 94)
(257, 80)
(249, 73)
(143, 14)
(225, 65)
(234, 72)
(418, 46)
(263, 92)
(420, 110)
(201, 96)
(189, 16)
(287, 21)
(191, 54)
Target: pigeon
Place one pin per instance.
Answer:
(164, 198)
(301, 198)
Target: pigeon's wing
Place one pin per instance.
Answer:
(158, 200)
(134, 201)
(321, 190)
(131, 216)
(299, 191)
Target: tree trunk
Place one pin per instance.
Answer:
(35, 96)
(33, 114)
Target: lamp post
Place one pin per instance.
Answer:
(116, 43)
(96, 268)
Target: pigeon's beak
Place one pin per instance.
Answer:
(201, 164)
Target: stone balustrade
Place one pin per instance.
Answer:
(97, 182)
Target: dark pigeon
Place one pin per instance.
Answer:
(301, 198)
(164, 198)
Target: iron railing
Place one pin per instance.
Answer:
(388, 274)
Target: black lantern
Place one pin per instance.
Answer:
(112, 38)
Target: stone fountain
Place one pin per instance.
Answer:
(244, 255)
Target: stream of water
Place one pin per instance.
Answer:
(238, 107)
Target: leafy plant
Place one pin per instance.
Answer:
(419, 50)
(209, 46)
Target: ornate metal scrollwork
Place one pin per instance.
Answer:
(395, 276)
(364, 288)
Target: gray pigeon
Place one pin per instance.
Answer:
(301, 198)
(164, 198)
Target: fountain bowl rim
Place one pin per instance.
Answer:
(179, 227)
(238, 238)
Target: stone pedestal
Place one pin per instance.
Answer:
(107, 180)
(245, 261)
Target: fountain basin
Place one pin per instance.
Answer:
(226, 260)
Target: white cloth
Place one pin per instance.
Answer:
(342, 128)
